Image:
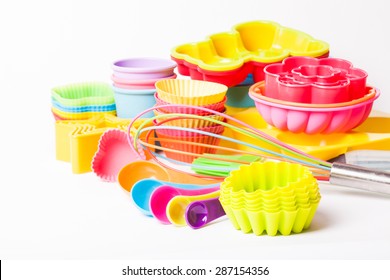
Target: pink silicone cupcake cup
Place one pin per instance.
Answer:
(113, 154)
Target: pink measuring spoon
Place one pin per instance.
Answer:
(162, 195)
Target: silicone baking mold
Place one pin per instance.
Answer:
(229, 57)
(312, 80)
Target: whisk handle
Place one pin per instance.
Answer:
(360, 178)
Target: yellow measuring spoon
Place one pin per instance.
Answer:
(177, 206)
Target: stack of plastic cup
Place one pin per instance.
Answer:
(133, 83)
(270, 196)
(188, 92)
(82, 101)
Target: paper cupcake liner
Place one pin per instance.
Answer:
(190, 92)
(217, 129)
(113, 154)
(219, 107)
(189, 146)
(83, 94)
(187, 122)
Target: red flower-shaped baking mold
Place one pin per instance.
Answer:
(316, 81)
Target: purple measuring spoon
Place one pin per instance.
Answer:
(202, 212)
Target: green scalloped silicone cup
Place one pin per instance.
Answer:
(83, 94)
(270, 197)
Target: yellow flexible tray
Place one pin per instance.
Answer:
(77, 140)
(373, 134)
(255, 41)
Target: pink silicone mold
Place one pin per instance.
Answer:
(313, 80)
(314, 120)
(113, 153)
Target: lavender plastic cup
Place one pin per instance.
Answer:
(143, 68)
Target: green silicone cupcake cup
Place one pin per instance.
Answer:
(270, 196)
(268, 207)
(243, 203)
(304, 186)
(84, 94)
(266, 176)
(283, 221)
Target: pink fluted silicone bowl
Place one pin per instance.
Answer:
(314, 120)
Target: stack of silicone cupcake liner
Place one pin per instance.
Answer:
(82, 101)
(270, 196)
(133, 83)
(188, 92)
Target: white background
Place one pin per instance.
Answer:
(46, 212)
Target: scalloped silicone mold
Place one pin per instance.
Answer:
(113, 153)
(229, 57)
(312, 80)
(314, 120)
(84, 94)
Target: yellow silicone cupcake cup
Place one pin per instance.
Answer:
(190, 92)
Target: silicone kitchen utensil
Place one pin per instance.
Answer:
(83, 94)
(259, 178)
(374, 133)
(138, 170)
(81, 109)
(77, 140)
(202, 165)
(143, 189)
(200, 213)
(228, 57)
(113, 153)
(314, 120)
(258, 90)
(336, 173)
(79, 115)
(325, 80)
(177, 206)
(163, 194)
